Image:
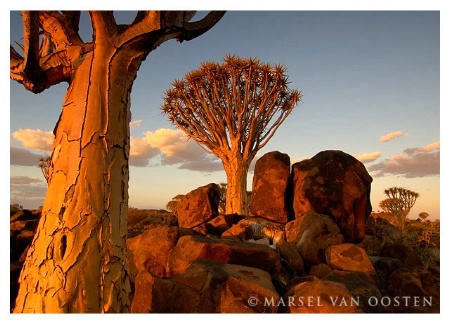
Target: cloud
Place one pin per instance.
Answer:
(391, 136)
(171, 145)
(367, 157)
(135, 123)
(174, 148)
(34, 139)
(414, 162)
(23, 180)
(28, 192)
(23, 157)
(141, 152)
(177, 148)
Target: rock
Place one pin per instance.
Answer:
(191, 248)
(406, 285)
(198, 206)
(24, 215)
(20, 240)
(315, 233)
(384, 267)
(21, 225)
(335, 184)
(222, 223)
(349, 257)
(371, 244)
(288, 252)
(155, 295)
(205, 229)
(231, 286)
(366, 292)
(206, 287)
(264, 241)
(150, 251)
(383, 229)
(404, 253)
(270, 183)
(319, 296)
(256, 228)
(14, 273)
(320, 270)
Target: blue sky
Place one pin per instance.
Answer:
(363, 75)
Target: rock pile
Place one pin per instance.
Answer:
(301, 249)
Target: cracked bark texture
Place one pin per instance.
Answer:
(76, 262)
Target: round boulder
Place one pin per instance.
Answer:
(336, 184)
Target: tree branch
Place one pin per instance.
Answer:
(61, 28)
(31, 44)
(195, 29)
(103, 24)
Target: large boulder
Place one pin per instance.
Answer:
(319, 296)
(364, 291)
(335, 184)
(156, 295)
(150, 251)
(349, 257)
(191, 248)
(207, 287)
(313, 233)
(198, 206)
(231, 286)
(270, 183)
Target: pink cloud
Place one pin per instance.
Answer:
(34, 139)
(391, 136)
(367, 157)
(23, 157)
(414, 162)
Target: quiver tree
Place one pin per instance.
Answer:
(76, 262)
(232, 110)
(399, 203)
(44, 165)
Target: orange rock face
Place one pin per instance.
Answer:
(270, 184)
(335, 184)
(191, 248)
(319, 296)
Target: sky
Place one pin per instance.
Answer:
(371, 88)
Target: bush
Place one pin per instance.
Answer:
(140, 219)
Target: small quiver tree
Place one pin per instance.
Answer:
(399, 203)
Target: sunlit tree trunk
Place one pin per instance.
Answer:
(236, 170)
(76, 262)
(86, 204)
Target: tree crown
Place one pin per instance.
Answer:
(234, 106)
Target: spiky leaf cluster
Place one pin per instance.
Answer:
(237, 105)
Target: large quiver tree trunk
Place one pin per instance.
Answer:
(76, 262)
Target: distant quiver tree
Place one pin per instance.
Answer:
(399, 203)
(76, 262)
(44, 165)
(232, 110)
